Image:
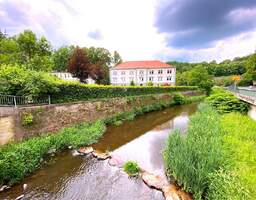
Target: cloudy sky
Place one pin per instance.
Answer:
(183, 30)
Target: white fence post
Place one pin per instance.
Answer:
(49, 98)
(15, 103)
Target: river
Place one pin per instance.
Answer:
(75, 177)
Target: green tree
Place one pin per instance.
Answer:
(100, 57)
(197, 77)
(9, 51)
(27, 43)
(117, 58)
(60, 58)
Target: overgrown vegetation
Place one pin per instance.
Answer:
(27, 119)
(216, 159)
(131, 168)
(19, 160)
(193, 158)
(225, 102)
(120, 117)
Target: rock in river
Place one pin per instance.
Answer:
(153, 180)
(101, 156)
(85, 150)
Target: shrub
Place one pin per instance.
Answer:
(225, 102)
(132, 83)
(27, 119)
(131, 168)
(179, 99)
(69, 91)
(16, 80)
(150, 83)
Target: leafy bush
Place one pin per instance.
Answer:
(225, 102)
(19, 160)
(131, 168)
(27, 119)
(16, 80)
(179, 99)
(223, 81)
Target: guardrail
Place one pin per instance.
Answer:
(10, 100)
(245, 93)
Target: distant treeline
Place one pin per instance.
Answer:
(242, 66)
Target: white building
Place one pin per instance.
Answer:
(142, 72)
(68, 77)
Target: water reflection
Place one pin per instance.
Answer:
(67, 177)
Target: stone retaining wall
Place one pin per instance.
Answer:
(51, 118)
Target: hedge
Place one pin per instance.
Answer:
(69, 92)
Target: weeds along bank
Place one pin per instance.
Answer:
(18, 160)
(217, 158)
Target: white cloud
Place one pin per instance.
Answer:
(125, 26)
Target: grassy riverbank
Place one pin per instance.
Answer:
(217, 158)
(18, 160)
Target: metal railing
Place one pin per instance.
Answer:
(244, 93)
(10, 100)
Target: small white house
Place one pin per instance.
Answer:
(68, 77)
(142, 72)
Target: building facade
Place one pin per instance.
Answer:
(143, 72)
(68, 77)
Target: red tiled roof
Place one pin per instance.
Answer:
(153, 64)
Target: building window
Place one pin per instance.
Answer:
(160, 71)
(169, 78)
(131, 72)
(123, 72)
(169, 71)
(114, 79)
(114, 72)
(141, 72)
(151, 72)
(160, 78)
(141, 79)
(151, 78)
(131, 79)
(123, 79)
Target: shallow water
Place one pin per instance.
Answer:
(142, 140)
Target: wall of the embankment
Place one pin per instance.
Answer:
(51, 118)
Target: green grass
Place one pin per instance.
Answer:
(20, 159)
(131, 168)
(217, 158)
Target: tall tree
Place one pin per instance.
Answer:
(60, 58)
(117, 58)
(100, 58)
(27, 43)
(79, 64)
